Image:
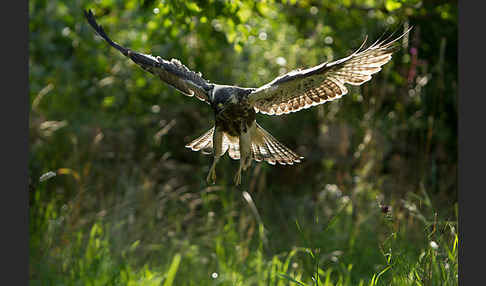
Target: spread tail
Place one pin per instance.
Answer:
(265, 147)
(204, 143)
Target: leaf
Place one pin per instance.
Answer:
(391, 5)
(108, 101)
(193, 7)
(231, 36)
(244, 14)
(152, 25)
(238, 48)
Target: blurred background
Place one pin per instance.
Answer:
(115, 198)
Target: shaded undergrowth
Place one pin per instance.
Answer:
(231, 238)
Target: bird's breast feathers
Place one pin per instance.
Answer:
(235, 118)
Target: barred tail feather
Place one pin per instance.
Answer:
(266, 148)
(232, 144)
(204, 143)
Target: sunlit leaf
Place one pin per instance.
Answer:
(192, 6)
(152, 25)
(108, 101)
(238, 48)
(391, 5)
(244, 14)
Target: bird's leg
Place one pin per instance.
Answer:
(217, 150)
(245, 153)
(211, 178)
(237, 178)
(248, 159)
(247, 142)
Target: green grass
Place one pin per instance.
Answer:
(237, 240)
(128, 204)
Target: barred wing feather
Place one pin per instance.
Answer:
(300, 89)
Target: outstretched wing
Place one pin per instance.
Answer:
(172, 72)
(301, 89)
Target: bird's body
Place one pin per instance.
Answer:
(232, 112)
(235, 130)
(234, 118)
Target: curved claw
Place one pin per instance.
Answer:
(211, 178)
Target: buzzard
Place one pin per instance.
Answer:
(235, 130)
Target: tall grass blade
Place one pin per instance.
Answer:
(283, 275)
(174, 266)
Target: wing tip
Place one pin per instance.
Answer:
(101, 32)
(88, 14)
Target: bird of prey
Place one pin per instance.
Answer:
(235, 130)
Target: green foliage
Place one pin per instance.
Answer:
(128, 204)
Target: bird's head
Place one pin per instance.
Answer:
(221, 97)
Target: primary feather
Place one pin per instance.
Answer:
(300, 89)
(172, 72)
